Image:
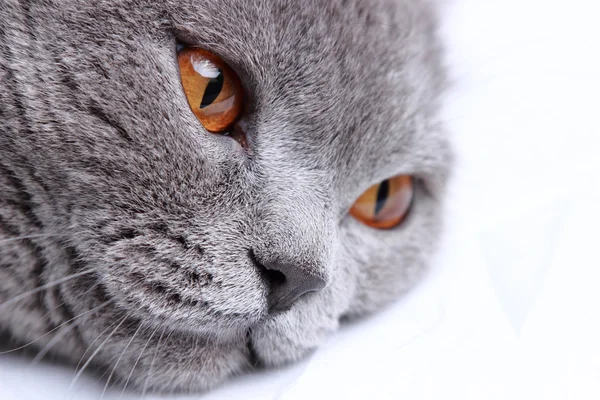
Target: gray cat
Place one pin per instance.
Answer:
(192, 188)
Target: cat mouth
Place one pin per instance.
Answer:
(253, 358)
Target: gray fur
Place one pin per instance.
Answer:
(102, 158)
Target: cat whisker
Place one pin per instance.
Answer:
(118, 360)
(59, 336)
(92, 344)
(53, 342)
(44, 287)
(98, 380)
(65, 302)
(58, 327)
(89, 360)
(88, 349)
(152, 363)
(137, 360)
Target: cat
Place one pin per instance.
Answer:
(174, 247)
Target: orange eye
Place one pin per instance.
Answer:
(385, 205)
(213, 90)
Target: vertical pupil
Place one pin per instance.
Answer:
(212, 90)
(382, 195)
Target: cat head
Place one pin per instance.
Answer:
(208, 251)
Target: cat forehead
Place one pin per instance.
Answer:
(348, 87)
(357, 81)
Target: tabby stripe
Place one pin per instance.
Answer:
(26, 4)
(25, 203)
(95, 110)
(65, 75)
(38, 268)
(68, 314)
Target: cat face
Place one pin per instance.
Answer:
(206, 254)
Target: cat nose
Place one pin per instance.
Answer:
(287, 283)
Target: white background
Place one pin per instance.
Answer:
(511, 308)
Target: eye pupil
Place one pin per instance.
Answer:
(382, 195)
(213, 89)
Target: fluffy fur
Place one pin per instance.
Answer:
(105, 170)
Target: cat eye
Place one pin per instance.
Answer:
(212, 88)
(385, 205)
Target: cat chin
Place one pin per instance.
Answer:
(178, 362)
(174, 361)
(189, 369)
(293, 335)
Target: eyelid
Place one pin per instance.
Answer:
(192, 39)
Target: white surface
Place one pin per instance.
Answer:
(510, 311)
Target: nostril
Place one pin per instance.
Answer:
(273, 277)
(286, 283)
